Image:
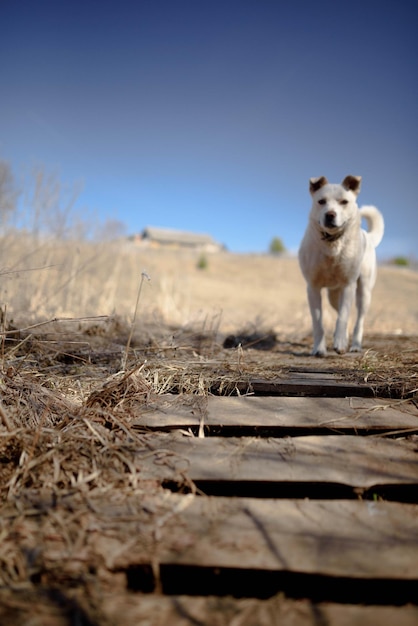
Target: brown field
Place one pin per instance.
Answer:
(71, 390)
(47, 280)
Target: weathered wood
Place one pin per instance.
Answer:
(351, 539)
(306, 385)
(335, 414)
(357, 461)
(155, 610)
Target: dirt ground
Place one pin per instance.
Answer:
(70, 391)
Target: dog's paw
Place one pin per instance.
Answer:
(340, 350)
(319, 352)
(356, 348)
(340, 345)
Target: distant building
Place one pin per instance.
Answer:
(154, 237)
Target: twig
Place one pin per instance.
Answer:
(95, 318)
(26, 269)
(5, 419)
(3, 335)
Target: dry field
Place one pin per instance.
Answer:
(50, 279)
(71, 391)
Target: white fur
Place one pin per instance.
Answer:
(338, 255)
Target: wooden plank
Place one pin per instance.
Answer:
(361, 462)
(155, 610)
(118, 606)
(350, 539)
(341, 414)
(299, 385)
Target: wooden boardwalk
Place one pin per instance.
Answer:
(310, 489)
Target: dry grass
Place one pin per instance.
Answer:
(74, 501)
(67, 407)
(82, 279)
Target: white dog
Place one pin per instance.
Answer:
(337, 254)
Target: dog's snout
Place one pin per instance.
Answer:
(330, 218)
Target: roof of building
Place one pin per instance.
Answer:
(170, 235)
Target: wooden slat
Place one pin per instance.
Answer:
(309, 385)
(155, 610)
(357, 461)
(351, 539)
(19, 607)
(281, 412)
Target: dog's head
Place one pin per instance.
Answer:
(334, 206)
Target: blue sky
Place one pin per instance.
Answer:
(211, 116)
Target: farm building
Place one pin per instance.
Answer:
(167, 237)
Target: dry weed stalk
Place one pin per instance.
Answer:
(131, 332)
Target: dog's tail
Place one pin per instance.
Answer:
(375, 223)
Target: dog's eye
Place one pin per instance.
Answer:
(322, 201)
(343, 201)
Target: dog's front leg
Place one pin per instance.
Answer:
(344, 308)
(315, 305)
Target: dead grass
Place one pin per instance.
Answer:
(75, 279)
(67, 407)
(62, 381)
(74, 501)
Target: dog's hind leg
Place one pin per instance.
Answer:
(315, 305)
(363, 299)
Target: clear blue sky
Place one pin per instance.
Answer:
(211, 115)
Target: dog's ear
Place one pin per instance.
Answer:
(317, 183)
(352, 183)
